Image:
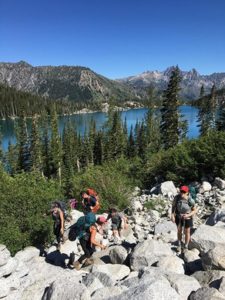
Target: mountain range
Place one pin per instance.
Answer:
(190, 84)
(81, 84)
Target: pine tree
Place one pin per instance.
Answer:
(98, 148)
(220, 124)
(23, 145)
(55, 148)
(131, 146)
(153, 137)
(36, 160)
(169, 125)
(12, 159)
(207, 113)
(141, 140)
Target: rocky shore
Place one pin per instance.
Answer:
(144, 266)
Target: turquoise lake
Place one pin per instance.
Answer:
(82, 121)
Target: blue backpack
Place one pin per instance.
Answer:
(81, 228)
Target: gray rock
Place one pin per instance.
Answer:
(108, 293)
(183, 284)
(207, 237)
(173, 264)
(147, 253)
(4, 288)
(118, 255)
(217, 216)
(67, 290)
(165, 227)
(205, 187)
(222, 286)
(207, 293)
(115, 271)
(214, 258)
(4, 255)
(167, 187)
(92, 283)
(9, 268)
(206, 278)
(155, 289)
(136, 205)
(105, 279)
(193, 261)
(27, 254)
(220, 183)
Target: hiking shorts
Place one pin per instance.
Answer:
(188, 223)
(116, 224)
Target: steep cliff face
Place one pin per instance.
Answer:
(63, 82)
(190, 85)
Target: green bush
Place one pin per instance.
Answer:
(188, 161)
(110, 180)
(24, 200)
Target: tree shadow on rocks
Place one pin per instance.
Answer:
(57, 258)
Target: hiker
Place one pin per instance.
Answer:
(88, 243)
(117, 220)
(90, 201)
(183, 209)
(58, 227)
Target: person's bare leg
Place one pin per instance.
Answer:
(179, 233)
(187, 232)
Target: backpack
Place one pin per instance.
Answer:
(193, 192)
(183, 206)
(62, 205)
(93, 193)
(81, 228)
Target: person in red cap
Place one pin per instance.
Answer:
(183, 209)
(89, 243)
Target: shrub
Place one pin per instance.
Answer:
(24, 200)
(109, 180)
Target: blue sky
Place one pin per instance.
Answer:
(115, 38)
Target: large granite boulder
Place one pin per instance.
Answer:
(114, 271)
(9, 267)
(207, 293)
(148, 252)
(118, 255)
(27, 254)
(4, 255)
(208, 237)
(172, 264)
(67, 289)
(183, 284)
(220, 183)
(167, 188)
(217, 216)
(214, 258)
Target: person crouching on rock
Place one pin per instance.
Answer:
(88, 243)
(58, 226)
(183, 209)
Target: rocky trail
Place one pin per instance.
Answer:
(145, 265)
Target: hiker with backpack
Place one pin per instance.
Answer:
(117, 220)
(90, 201)
(183, 209)
(58, 226)
(88, 240)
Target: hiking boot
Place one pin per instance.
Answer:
(77, 265)
(179, 247)
(88, 262)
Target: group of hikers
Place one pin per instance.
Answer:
(86, 227)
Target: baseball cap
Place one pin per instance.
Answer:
(101, 220)
(184, 188)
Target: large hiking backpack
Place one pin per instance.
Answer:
(81, 228)
(93, 193)
(183, 206)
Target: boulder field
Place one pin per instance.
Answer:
(145, 265)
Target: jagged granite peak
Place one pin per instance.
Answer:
(190, 85)
(73, 83)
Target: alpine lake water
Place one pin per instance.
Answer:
(82, 121)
